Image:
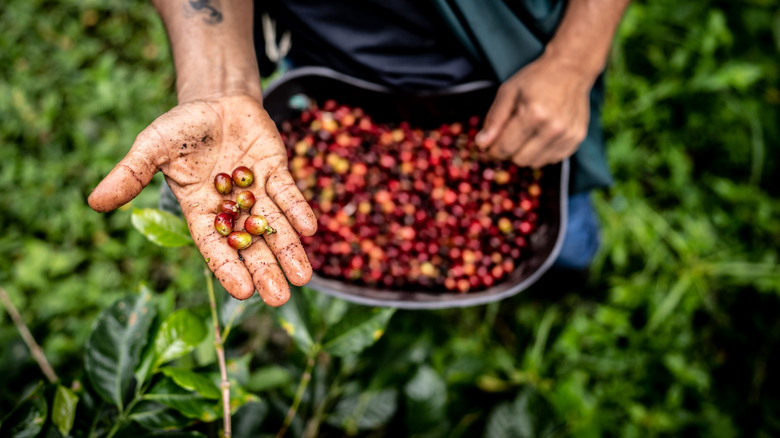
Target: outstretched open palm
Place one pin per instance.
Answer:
(191, 144)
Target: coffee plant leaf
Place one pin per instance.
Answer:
(511, 419)
(188, 403)
(238, 368)
(63, 411)
(334, 311)
(365, 410)
(294, 318)
(192, 381)
(176, 434)
(358, 329)
(115, 343)
(161, 227)
(179, 334)
(237, 310)
(28, 417)
(425, 399)
(156, 416)
(249, 419)
(269, 377)
(239, 396)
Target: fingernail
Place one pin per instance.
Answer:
(481, 138)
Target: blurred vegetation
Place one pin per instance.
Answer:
(675, 334)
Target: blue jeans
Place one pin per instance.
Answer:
(582, 238)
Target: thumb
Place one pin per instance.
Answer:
(129, 176)
(502, 109)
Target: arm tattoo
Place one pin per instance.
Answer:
(214, 15)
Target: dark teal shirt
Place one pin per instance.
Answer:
(414, 45)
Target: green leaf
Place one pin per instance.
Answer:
(27, 418)
(248, 420)
(269, 377)
(294, 319)
(161, 227)
(238, 368)
(188, 403)
(426, 397)
(239, 396)
(156, 416)
(177, 434)
(510, 420)
(237, 310)
(114, 346)
(193, 381)
(64, 410)
(365, 410)
(359, 328)
(179, 334)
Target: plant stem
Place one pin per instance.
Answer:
(27, 337)
(93, 427)
(304, 382)
(335, 389)
(123, 417)
(238, 310)
(224, 385)
(115, 428)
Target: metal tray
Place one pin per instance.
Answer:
(429, 110)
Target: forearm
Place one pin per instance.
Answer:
(585, 34)
(213, 47)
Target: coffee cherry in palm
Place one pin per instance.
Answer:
(230, 208)
(242, 176)
(245, 199)
(239, 239)
(258, 225)
(224, 223)
(223, 183)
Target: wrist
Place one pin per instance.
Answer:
(219, 78)
(586, 68)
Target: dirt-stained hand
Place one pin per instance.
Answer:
(191, 144)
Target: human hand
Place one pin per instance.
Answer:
(540, 115)
(191, 144)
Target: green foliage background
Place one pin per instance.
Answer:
(676, 333)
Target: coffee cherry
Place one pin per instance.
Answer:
(400, 207)
(242, 176)
(258, 225)
(229, 207)
(223, 183)
(224, 223)
(245, 199)
(239, 239)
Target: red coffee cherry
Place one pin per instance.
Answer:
(230, 208)
(408, 208)
(242, 176)
(224, 223)
(245, 199)
(239, 239)
(258, 225)
(223, 183)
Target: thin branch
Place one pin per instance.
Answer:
(224, 385)
(334, 391)
(237, 311)
(27, 337)
(305, 378)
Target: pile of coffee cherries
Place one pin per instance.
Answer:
(406, 208)
(229, 211)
